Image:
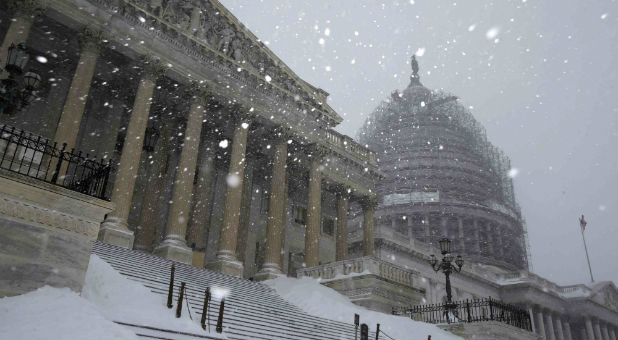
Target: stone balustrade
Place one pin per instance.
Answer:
(350, 146)
(367, 265)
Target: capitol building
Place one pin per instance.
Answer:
(160, 133)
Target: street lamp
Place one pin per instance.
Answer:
(446, 265)
(13, 95)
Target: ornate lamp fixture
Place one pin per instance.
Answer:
(13, 94)
(446, 265)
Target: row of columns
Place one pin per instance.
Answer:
(596, 329)
(552, 326)
(549, 325)
(114, 228)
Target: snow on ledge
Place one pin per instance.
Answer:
(312, 297)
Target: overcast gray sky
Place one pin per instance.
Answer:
(541, 77)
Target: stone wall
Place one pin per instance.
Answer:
(46, 234)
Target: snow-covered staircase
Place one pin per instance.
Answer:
(252, 310)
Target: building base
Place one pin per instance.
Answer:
(489, 330)
(175, 250)
(116, 233)
(198, 259)
(227, 264)
(268, 272)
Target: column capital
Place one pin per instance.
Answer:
(343, 191)
(317, 151)
(152, 67)
(90, 39)
(28, 8)
(368, 202)
(199, 92)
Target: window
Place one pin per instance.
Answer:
(300, 215)
(328, 226)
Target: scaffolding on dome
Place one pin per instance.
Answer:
(410, 109)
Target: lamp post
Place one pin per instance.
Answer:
(17, 91)
(446, 266)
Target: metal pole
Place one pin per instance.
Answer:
(587, 258)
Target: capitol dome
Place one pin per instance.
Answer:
(443, 178)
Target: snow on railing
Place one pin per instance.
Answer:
(361, 266)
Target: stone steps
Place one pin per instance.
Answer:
(252, 310)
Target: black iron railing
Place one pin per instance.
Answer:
(475, 310)
(38, 157)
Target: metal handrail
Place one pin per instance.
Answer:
(38, 157)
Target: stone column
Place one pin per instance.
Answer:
(597, 330)
(589, 330)
(314, 213)
(532, 323)
(73, 110)
(551, 334)
(368, 205)
(245, 212)
(275, 223)
(567, 329)
(490, 240)
(202, 193)
(226, 261)
(174, 246)
(541, 323)
(462, 237)
(559, 332)
(612, 333)
(148, 221)
(477, 237)
(341, 240)
(114, 229)
(19, 29)
(605, 332)
(428, 238)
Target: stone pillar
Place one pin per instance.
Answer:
(532, 323)
(275, 223)
(541, 323)
(202, 193)
(589, 330)
(21, 23)
(114, 229)
(368, 205)
(612, 333)
(444, 227)
(567, 329)
(314, 213)
(148, 220)
(245, 212)
(341, 240)
(73, 110)
(477, 237)
(551, 334)
(605, 332)
(462, 237)
(428, 237)
(490, 240)
(174, 246)
(597, 330)
(559, 332)
(226, 261)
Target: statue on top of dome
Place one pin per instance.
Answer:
(415, 79)
(414, 64)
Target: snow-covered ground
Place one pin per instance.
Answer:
(316, 299)
(59, 313)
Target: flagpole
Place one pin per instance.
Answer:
(582, 224)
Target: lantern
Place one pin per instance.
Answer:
(17, 58)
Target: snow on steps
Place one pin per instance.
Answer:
(252, 310)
